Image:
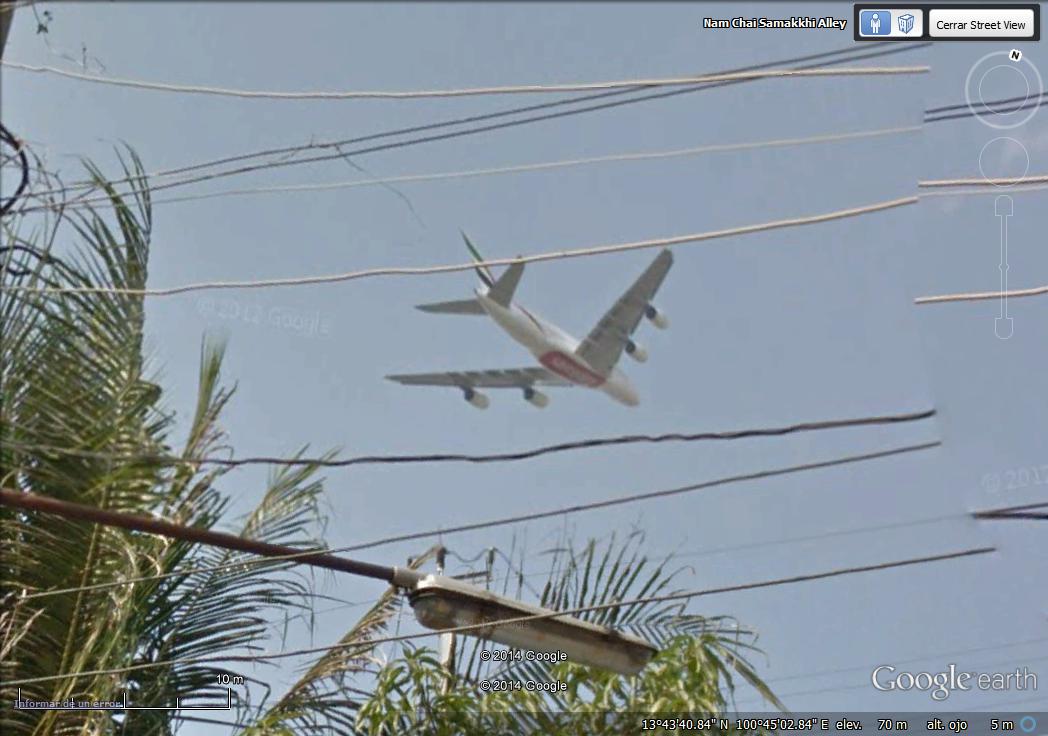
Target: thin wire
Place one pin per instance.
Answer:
(523, 168)
(682, 596)
(980, 295)
(1038, 101)
(967, 105)
(1017, 189)
(711, 551)
(337, 144)
(891, 49)
(989, 514)
(492, 457)
(1025, 512)
(18, 147)
(430, 270)
(570, 163)
(984, 181)
(504, 521)
(468, 91)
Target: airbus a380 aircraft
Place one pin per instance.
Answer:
(565, 360)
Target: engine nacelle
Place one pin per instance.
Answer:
(637, 352)
(537, 398)
(476, 398)
(656, 317)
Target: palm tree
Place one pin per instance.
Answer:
(75, 376)
(82, 420)
(694, 672)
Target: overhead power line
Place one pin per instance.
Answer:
(466, 91)
(517, 519)
(682, 596)
(1003, 513)
(343, 604)
(984, 181)
(1026, 511)
(676, 554)
(991, 108)
(430, 270)
(967, 105)
(683, 554)
(1018, 188)
(846, 54)
(18, 152)
(502, 170)
(568, 163)
(630, 439)
(981, 295)
(150, 525)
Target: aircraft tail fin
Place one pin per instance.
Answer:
(501, 292)
(466, 306)
(482, 271)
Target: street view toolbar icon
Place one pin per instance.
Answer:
(876, 23)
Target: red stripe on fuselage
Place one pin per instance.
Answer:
(567, 367)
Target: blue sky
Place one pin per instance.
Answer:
(782, 327)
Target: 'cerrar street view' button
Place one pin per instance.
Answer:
(987, 22)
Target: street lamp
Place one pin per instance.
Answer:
(439, 602)
(442, 603)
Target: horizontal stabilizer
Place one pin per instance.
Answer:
(465, 306)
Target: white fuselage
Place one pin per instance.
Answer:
(555, 350)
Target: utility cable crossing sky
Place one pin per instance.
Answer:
(682, 596)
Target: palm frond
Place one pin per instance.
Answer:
(75, 376)
(323, 700)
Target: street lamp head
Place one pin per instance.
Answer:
(443, 603)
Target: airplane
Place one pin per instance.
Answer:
(564, 360)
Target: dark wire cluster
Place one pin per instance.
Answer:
(18, 147)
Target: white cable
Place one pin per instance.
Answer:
(471, 91)
(683, 596)
(1019, 189)
(521, 168)
(429, 270)
(980, 295)
(976, 181)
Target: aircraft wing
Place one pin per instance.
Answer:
(497, 378)
(603, 347)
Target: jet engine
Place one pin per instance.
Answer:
(476, 398)
(536, 398)
(657, 318)
(637, 352)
